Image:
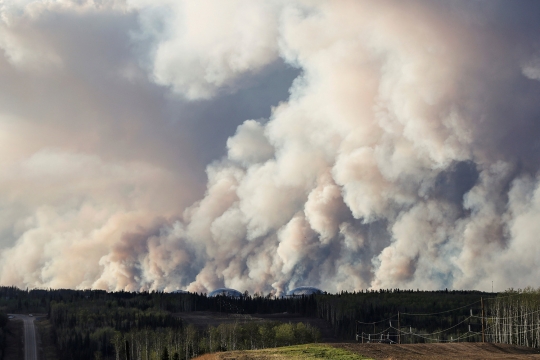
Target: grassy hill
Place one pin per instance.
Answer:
(454, 351)
(306, 351)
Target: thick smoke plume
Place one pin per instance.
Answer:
(406, 154)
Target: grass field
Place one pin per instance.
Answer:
(454, 351)
(307, 351)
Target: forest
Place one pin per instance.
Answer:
(3, 323)
(96, 324)
(514, 318)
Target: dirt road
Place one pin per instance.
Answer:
(30, 343)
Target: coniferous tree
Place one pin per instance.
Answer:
(165, 354)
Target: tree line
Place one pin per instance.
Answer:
(168, 344)
(96, 324)
(513, 317)
(364, 311)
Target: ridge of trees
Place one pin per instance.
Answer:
(96, 324)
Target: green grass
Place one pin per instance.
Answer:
(307, 351)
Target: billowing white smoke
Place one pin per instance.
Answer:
(404, 157)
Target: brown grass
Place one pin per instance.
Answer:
(474, 351)
(477, 351)
(208, 357)
(303, 352)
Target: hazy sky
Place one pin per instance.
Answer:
(263, 145)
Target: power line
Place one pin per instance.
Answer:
(369, 337)
(376, 322)
(381, 332)
(498, 327)
(465, 336)
(503, 297)
(516, 333)
(442, 312)
(438, 332)
(509, 317)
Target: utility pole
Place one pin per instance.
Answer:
(482, 303)
(398, 329)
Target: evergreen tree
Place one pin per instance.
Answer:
(165, 354)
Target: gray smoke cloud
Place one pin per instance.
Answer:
(404, 155)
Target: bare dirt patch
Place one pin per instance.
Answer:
(476, 351)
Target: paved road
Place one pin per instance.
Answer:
(30, 343)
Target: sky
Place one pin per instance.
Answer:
(268, 144)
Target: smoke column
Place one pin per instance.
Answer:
(406, 154)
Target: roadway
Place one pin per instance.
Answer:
(30, 343)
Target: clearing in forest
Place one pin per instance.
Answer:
(305, 352)
(474, 351)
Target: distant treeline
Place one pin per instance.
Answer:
(345, 309)
(95, 324)
(188, 342)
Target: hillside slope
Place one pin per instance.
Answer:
(304, 352)
(353, 351)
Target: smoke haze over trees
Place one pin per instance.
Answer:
(263, 145)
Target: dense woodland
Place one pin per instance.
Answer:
(94, 324)
(123, 325)
(376, 313)
(514, 318)
(3, 323)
